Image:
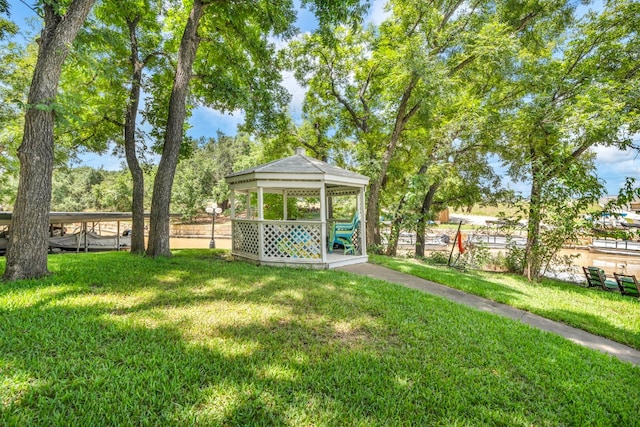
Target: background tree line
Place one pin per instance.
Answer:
(199, 180)
(423, 102)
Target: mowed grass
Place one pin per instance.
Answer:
(197, 339)
(608, 314)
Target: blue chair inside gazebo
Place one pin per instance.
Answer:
(342, 234)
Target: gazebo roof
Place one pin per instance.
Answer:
(298, 167)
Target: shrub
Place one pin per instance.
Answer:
(437, 257)
(514, 260)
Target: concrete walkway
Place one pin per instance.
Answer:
(578, 336)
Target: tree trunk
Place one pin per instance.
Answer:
(373, 230)
(532, 257)
(394, 232)
(394, 237)
(28, 243)
(159, 220)
(373, 200)
(421, 227)
(137, 176)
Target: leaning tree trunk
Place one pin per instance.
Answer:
(375, 187)
(28, 243)
(159, 220)
(394, 231)
(421, 227)
(137, 175)
(373, 207)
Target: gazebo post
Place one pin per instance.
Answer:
(285, 215)
(249, 214)
(232, 212)
(260, 203)
(363, 223)
(260, 222)
(232, 201)
(323, 221)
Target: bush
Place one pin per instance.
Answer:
(514, 260)
(375, 249)
(437, 258)
(476, 256)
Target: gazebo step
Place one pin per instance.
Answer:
(334, 261)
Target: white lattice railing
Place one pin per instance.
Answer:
(292, 239)
(281, 240)
(246, 238)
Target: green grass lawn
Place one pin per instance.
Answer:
(113, 339)
(607, 314)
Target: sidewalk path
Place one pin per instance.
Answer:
(578, 336)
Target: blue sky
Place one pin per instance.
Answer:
(613, 165)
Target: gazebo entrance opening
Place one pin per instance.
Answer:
(285, 213)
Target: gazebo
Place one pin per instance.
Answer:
(268, 228)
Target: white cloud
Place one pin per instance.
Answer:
(615, 165)
(613, 155)
(377, 13)
(297, 93)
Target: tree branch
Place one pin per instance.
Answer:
(112, 121)
(360, 123)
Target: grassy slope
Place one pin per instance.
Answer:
(196, 339)
(606, 314)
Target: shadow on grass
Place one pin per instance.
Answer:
(185, 347)
(86, 366)
(69, 367)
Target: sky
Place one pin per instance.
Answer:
(613, 165)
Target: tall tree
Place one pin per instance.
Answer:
(120, 49)
(130, 121)
(159, 221)
(458, 134)
(142, 22)
(382, 79)
(574, 96)
(27, 246)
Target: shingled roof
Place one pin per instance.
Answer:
(298, 164)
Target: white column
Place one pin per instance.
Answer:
(260, 222)
(363, 220)
(232, 201)
(323, 221)
(284, 205)
(232, 212)
(260, 203)
(249, 215)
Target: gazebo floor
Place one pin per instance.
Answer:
(334, 260)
